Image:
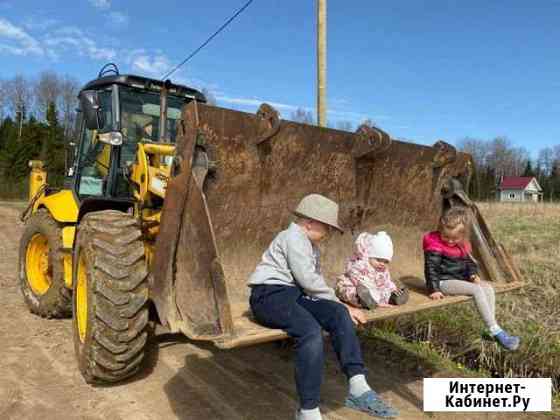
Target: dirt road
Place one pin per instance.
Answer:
(181, 380)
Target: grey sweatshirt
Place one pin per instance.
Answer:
(290, 260)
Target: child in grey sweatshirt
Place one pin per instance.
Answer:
(289, 292)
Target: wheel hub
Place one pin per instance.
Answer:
(81, 299)
(38, 270)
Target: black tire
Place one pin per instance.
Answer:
(55, 300)
(115, 281)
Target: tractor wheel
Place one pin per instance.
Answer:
(110, 301)
(41, 267)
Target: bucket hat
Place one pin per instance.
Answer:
(320, 208)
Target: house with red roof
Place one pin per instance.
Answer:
(519, 188)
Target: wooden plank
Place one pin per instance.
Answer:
(248, 332)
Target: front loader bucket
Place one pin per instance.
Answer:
(237, 177)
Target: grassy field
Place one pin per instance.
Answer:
(531, 233)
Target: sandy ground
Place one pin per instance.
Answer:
(181, 379)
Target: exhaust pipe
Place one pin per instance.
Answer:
(163, 111)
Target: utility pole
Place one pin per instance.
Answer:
(322, 62)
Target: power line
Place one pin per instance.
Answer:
(220, 29)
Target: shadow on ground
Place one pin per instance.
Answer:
(257, 382)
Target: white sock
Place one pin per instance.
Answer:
(358, 385)
(495, 329)
(313, 414)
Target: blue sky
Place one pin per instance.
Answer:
(422, 70)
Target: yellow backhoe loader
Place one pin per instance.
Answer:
(171, 202)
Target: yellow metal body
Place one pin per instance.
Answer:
(68, 234)
(149, 175)
(37, 178)
(82, 299)
(151, 171)
(37, 267)
(104, 160)
(61, 205)
(67, 261)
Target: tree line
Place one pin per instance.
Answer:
(37, 117)
(494, 158)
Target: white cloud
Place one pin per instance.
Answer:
(21, 42)
(356, 116)
(70, 31)
(118, 18)
(114, 17)
(39, 24)
(101, 4)
(255, 102)
(12, 50)
(153, 64)
(156, 63)
(16, 41)
(74, 39)
(335, 114)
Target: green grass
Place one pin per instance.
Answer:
(419, 356)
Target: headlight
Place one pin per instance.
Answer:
(114, 138)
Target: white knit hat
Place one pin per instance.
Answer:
(381, 246)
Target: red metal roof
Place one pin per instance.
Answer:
(515, 182)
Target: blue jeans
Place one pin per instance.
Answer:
(303, 318)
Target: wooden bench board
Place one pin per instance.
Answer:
(248, 332)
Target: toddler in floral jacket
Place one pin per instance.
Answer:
(366, 281)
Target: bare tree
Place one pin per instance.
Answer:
(545, 160)
(477, 148)
(303, 116)
(345, 126)
(369, 122)
(210, 97)
(503, 158)
(520, 159)
(556, 155)
(19, 99)
(69, 88)
(47, 91)
(2, 99)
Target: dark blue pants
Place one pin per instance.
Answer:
(303, 318)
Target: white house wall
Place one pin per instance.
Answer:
(533, 187)
(511, 195)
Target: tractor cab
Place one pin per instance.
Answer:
(117, 112)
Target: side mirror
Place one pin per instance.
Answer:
(93, 117)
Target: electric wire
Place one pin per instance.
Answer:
(220, 29)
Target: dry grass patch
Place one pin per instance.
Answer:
(531, 233)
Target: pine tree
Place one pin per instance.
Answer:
(52, 150)
(554, 182)
(529, 169)
(32, 140)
